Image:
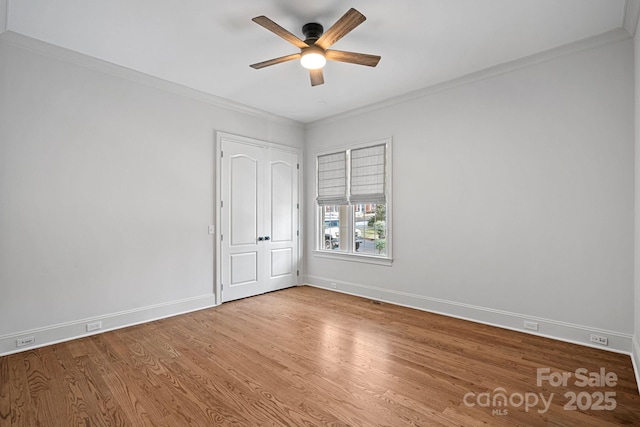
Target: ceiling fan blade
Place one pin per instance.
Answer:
(341, 28)
(275, 61)
(317, 78)
(352, 57)
(279, 31)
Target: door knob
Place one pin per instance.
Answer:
(267, 238)
(260, 238)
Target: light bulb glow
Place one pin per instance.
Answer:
(313, 58)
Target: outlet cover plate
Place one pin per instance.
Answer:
(533, 326)
(599, 339)
(21, 342)
(94, 326)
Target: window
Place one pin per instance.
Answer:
(353, 197)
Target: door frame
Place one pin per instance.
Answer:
(219, 137)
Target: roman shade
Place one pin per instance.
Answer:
(332, 179)
(368, 175)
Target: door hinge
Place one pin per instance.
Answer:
(298, 166)
(298, 205)
(221, 154)
(221, 237)
(222, 286)
(297, 272)
(221, 204)
(297, 232)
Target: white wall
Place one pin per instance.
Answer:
(513, 197)
(3, 16)
(106, 192)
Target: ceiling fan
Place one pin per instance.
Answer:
(314, 50)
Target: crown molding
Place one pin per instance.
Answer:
(631, 16)
(21, 41)
(609, 37)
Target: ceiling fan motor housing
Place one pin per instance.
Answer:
(312, 32)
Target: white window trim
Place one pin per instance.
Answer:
(351, 256)
(385, 260)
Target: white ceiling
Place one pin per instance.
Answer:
(208, 44)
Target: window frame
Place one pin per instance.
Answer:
(349, 254)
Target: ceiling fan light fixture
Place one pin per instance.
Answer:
(313, 58)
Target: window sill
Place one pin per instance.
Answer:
(343, 256)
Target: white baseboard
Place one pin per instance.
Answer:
(635, 359)
(576, 334)
(77, 329)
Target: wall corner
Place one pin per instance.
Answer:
(4, 15)
(631, 16)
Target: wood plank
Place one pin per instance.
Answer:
(45, 387)
(5, 392)
(22, 408)
(305, 356)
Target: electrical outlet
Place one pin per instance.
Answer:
(333, 286)
(599, 339)
(533, 326)
(21, 342)
(94, 326)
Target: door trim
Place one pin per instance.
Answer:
(219, 137)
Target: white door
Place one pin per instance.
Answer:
(258, 218)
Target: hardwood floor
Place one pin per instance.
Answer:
(308, 357)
